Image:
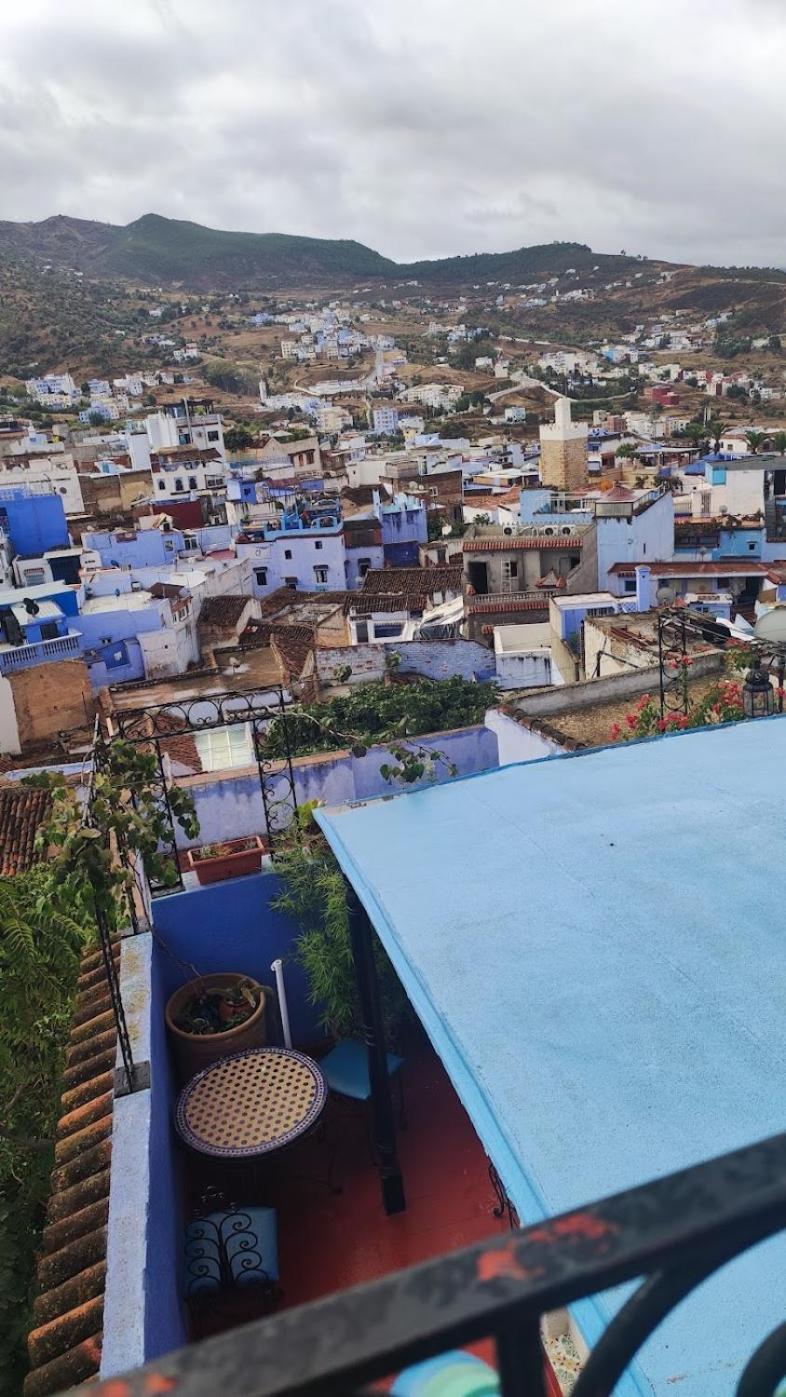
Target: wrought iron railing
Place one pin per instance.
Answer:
(669, 1235)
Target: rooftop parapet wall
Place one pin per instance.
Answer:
(590, 692)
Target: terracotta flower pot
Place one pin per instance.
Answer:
(235, 860)
(193, 1051)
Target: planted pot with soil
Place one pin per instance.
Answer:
(231, 858)
(213, 1016)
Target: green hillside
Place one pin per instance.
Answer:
(157, 250)
(165, 249)
(543, 259)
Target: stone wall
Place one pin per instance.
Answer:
(51, 698)
(570, 697)
(433, 659)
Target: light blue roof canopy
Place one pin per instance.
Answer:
(596, 945)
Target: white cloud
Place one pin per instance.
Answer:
(426, 127)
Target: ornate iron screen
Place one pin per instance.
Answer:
(153, 726)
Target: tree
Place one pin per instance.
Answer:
(755, 440)
(779, 442)
(697, 433)
(95, 418)
(716, 429)
(625, 451)
(238, 438)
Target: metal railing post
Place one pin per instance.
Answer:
(383, 1122)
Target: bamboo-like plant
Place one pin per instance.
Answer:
(314, 896)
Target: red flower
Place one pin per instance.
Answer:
(615, 732)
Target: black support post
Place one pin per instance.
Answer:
(361, 935)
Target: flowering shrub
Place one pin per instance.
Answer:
(721, 704)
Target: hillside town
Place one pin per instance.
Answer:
(164, 542)
(392, 696)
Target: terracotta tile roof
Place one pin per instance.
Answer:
(283, 597)
(445, 577)
(185, 453)
(723, 568)
(390, 602)
(360, 496)
(166, 589)
(64, 1347)
(256, 633)
(542, 543)
(182, 751)
(22, 810)
(223, 611)
(292, 646)
(489, 606)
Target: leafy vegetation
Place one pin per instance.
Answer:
(721, 704)
(156, 249)
(380, 713)
(314, 895)
(41, 940)
(47, 918)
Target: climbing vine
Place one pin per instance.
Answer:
(47, 918)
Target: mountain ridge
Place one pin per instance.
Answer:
(154, 249)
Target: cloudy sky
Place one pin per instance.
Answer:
(420, 127)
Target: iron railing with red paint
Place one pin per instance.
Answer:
(669, 1235)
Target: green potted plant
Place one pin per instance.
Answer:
(231, 858)
(214, 1015)
(313, 893)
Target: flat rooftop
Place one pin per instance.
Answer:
(126, 601)
(595, 946)
(512, 639)
(578, 599)
(45, 611)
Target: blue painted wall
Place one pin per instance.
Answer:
(401, 524)
(35, 523)
(402, 555)
(146, 548)
(741, 543)
(62, 593)
(227, 927)
(375, 556)
(165, 1319)
(231, 926)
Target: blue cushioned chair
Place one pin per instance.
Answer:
(454, 1374)
(346, 1071)
(231, 1249)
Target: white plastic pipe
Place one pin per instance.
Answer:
(278, 970)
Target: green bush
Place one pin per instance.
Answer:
(379, 713)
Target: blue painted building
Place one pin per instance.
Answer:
(34, 633)
(712, 541)
(64, 594)
(135, 548)
(404, 528)
(33, 523)
(305, 551)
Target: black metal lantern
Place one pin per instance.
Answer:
(758, 695)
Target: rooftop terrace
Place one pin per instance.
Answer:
(637, 1013)
(592, 948)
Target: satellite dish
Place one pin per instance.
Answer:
(772, 625)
